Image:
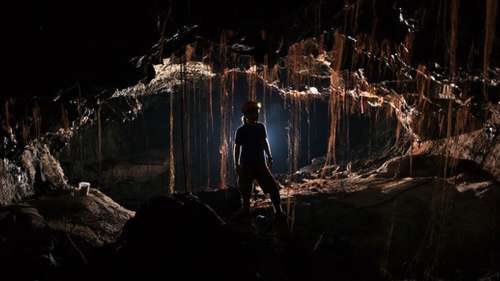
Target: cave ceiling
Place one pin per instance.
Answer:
(94, 43)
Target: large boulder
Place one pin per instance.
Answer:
(46, 237)
(36, 172)
(95, 219)
(14, 183)
(42, 168)
(481, 147)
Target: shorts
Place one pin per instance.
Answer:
(261, 174)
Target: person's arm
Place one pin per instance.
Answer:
(237, 151)
(267, 148)
(236, 155)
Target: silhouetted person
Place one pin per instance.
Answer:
(250, 146)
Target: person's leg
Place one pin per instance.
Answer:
(245, 181)
(271, 187)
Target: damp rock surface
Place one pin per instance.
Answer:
(14, 183)
(35, 172)
(395, 222)
(42, 239)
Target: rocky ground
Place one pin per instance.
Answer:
(380, 225)
(44, 238)
(390, 218)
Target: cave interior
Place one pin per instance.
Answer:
(119, 124)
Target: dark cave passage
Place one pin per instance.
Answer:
(135, 153)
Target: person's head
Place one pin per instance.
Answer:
(250, 112)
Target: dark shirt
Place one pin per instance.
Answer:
(251, 138)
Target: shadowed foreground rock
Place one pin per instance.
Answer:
(48, 237)
(362, 227)
(177, 238)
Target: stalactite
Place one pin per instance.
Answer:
(252, 81)
(308, 122)
(99, 140)
(79, 105)
(422, 86)
(224, 117)
(346, 118)
(490, 31)
(265, 77)
(448, 137)
(343, 102)
(454, 21)
(372, 49)
(296, 141)
(199, 131)
(335, 86)
(210, 118)
(290, 67)
(233, 82)
(290, 135)
(461, 120)
(190, 96)
(182, 122)
(224, 130)
(210, 103)
(230, 128)
(371, 125)
(294, 64)
(441, 124)
(208, 131)
(254, 86)
(171, 155)
(187, 116)
(294, 131)
(332, 113)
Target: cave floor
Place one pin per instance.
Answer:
(392, 227)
